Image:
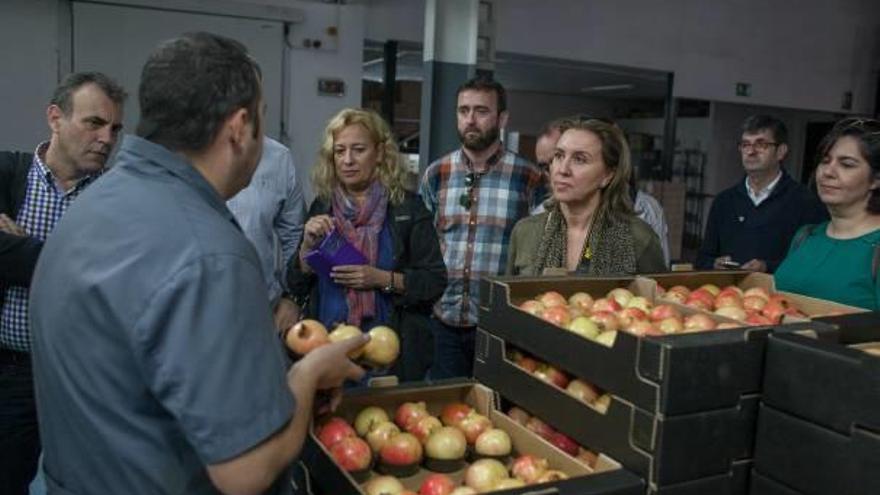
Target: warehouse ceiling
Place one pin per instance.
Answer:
(536, 74)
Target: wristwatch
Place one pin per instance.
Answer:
(389, 289)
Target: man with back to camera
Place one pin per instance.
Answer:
(476, 194)
(751, 224)
(84, 117)
(156, 362)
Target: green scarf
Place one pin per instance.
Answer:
(611, 247)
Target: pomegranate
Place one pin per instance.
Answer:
(402, 449)
(551, 374)
(528, 468)
(454, 412)
(552, 298)
(383, 347)
(345, 332)
(380, 433)
(473, 425)
(586, 392)
(518, 415)
(552, 475)
(446, 443)
(369, 417)
(532, 307)
(333, 430)
(305, 336)
(410, 412)
(540, 428)
(620, 295)
(352, 454)
(484, 473)
(582, 300)
(384, 485)
(565, 443)
(493, 442)
(437, 484)
(424, 427)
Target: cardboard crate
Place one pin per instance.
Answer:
(814, 460)
(763, 484)
(734, 482)
(832, 385)
(671, 375)
(664, 449)
(607, 478)
(855, 328)
(811, 306)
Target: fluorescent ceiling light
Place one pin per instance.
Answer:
(608, 87)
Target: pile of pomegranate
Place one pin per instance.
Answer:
(580, 389)
(621, 310)
(399, 446)
(380, 352)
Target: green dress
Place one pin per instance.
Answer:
(833, 269)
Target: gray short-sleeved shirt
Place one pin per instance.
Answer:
(154, 351)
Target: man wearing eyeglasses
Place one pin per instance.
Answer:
(476, 194)
(751, 224)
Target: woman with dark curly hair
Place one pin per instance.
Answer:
(838, 260)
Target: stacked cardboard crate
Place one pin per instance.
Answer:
(683, 408)
(605, 477)
(819, 421)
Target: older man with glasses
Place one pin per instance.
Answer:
(751, 224)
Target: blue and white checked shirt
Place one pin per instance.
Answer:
(475, 240)
(44, 203)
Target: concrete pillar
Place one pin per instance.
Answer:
(450, 59)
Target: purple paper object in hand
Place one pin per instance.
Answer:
(332, 251)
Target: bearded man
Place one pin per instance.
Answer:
(476, 194)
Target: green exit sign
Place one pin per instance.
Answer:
(743, 89)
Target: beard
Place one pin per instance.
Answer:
(481, 141)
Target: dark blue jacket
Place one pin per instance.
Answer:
(738, 228)
(18, 255)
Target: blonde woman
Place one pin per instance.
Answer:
(359, 182)
(589, 226)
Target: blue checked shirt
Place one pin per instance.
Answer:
(44, 203)
(475, 240)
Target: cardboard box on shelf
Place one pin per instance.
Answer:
(605, 478)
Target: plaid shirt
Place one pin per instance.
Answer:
(474, 240)
(43, 206)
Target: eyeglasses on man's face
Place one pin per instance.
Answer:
(760, 146)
